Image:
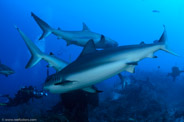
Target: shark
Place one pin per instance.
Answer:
(79, 38)
(93, 66)
(5, 70)
(37, 55)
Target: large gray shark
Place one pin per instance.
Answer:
(5, 70)
(38, 55)
(94, 66)
(79, 38)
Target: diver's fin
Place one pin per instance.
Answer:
(91, 90)
(88, 48)
(163, 40)
(64, 82)
(34, 50)
(85, 27)
(5, 95)
(47, 30)
(3, 104)
(130, 68)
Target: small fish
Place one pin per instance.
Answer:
(155, 11)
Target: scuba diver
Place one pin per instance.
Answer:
(175, 72)
(23, 96)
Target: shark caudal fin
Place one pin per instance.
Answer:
(163, 41)
(47, 30)
(34, 50)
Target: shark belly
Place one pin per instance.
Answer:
(94, 75)
(89, 77)
(79, 38)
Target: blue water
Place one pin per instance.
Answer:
(126, 21)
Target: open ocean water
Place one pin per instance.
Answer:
(153, 93)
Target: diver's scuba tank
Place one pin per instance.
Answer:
(39, 94)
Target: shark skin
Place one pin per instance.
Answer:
(37, 55)
(93, 66)
(79, 38)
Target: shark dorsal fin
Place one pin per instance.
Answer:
(85, 27)
(59, 28)
(142, 43)
(89, 47)
(163, 37)
(102, 38)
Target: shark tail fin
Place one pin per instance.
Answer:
(34, 50)
(163, 41)
(47, 30)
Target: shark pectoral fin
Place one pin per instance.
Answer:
(49, 65)
(6, 75)
(89, 48)
(85, 27)
(131, 66)
(91, 90)
(133, 63)
(131, 69)
(68, 43)
(63, 83)
(121, 77)
(152, 56)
